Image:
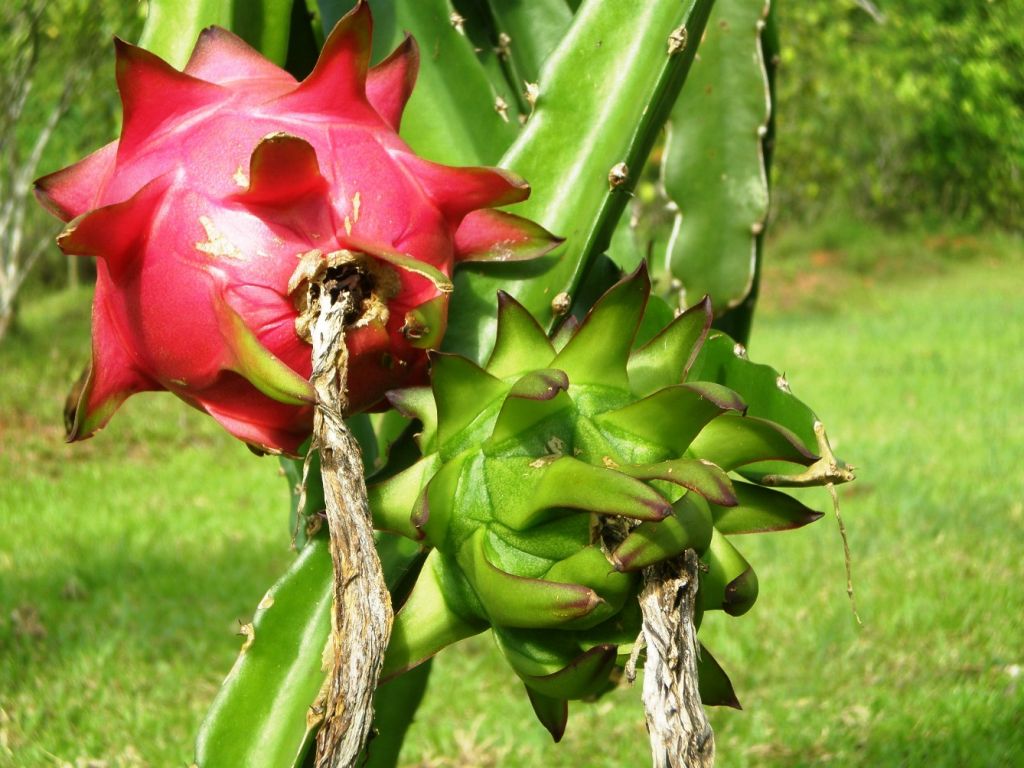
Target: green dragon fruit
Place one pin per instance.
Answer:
(553, 475)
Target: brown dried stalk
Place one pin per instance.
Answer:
(681, 736)
(362, 617)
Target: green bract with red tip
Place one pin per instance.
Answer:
(228, 175)
(553, 475)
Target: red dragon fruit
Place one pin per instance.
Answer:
(228, 176)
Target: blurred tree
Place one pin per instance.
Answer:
(49, 52)
(916, 106)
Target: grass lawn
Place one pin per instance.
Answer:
(127, 562)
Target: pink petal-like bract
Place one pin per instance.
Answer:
(225, 177)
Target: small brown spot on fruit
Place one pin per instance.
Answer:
(216, 243)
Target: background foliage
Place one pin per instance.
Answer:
(55, 62)
(917, 117)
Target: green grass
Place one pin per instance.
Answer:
(126, 562)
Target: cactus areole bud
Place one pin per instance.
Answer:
(231, 185)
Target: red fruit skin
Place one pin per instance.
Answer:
(225, 175)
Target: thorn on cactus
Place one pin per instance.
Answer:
(618, 175)
(458, 22)
(561, 304)
(501, 107)
(677, 40)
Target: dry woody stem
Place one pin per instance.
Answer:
(362, 616)
(681, 736)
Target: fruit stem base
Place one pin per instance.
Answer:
(681, 736)
(362, 614)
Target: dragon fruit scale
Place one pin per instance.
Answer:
(230, 182)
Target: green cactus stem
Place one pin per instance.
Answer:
(266, 713)
(172, 26)
(714, 168)
(632, 67)
(289, 628)
(456, 125)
